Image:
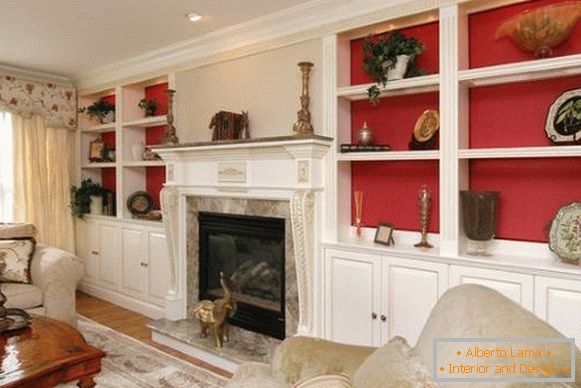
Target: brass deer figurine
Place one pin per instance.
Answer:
(212, 315)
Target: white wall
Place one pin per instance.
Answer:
(267, 84)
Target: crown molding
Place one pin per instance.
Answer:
(35, 75)
(306, 21)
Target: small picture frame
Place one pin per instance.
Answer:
(96, 148)
(384, 234)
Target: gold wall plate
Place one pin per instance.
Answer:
(427, 126)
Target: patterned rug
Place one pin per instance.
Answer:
(130, 363)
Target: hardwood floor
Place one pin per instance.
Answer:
(131, 324)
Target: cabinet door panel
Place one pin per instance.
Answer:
(158, 267)
(517, 287)
(352, 291)
(413, 288)
(558, 301)
(134, 258)
(110, 255)
(88, 238)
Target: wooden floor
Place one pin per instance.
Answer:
(131, 324)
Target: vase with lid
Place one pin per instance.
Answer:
(479, 210)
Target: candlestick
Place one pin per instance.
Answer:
(358, 213)
(424, 205)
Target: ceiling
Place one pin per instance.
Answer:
(72, 37)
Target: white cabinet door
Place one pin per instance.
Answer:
(517, 287)
(411, 288)
(88, 237)
(558, 301)
(134, 261)
(109, 256)
(352, 290)
(158, 267)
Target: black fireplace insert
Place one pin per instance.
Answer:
(250, 251)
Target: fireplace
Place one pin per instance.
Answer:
(250, 251)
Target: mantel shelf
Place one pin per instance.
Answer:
(147, 122)
(416, 85)
(388, 155)
(521, 152)
(522, 71)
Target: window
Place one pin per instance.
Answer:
(6, 168)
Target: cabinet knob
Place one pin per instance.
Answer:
(383, 318)
(94, 252)
(373, 315)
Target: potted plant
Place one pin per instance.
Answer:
(87, 198)
(101, 109)
(388, 58)
(149, 107)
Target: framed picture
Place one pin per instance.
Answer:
(96, 148)
(384, 234)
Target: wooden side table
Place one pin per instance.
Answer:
(47, 353)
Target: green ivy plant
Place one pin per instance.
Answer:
(81, 197)
(148, 106)
(378, 50)
(98, 109)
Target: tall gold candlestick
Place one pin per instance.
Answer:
(303, 125)
(170, 136)
(425, 206)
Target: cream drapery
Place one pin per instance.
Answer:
(42, 179)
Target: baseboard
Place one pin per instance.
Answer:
(147, 309)
(210, 358)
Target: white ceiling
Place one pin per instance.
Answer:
(72, 37)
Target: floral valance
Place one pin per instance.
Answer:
(55, 103)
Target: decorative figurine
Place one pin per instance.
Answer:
(303, 126)
(365, 135)
(212, 315)
(245, 133)
(425, 205)
(229, 126)
(358, 213)
(170, 137)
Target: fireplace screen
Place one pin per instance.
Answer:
(250, 251)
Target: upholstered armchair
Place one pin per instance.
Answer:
(467, 311)
(55, 275)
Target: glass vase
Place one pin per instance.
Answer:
(479, 220)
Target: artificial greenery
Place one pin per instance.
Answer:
(148, 106)
(381, 50)
(81, 197)
(99, 109)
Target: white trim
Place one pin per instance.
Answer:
(35, 75)
(147, 309)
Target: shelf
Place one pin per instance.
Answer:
(522, 71)
(388, 155)
(529, 152)
(99, 165)
(144, 163)
(416, 85)
(109, 127)
(146, 122)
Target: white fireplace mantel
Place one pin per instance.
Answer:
(283, 168)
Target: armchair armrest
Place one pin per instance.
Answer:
(301, 358)
(57, 273)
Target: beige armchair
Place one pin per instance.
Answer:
(467, 311)
(55, 276)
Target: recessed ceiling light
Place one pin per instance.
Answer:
(194, 17)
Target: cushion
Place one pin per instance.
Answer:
(326, 381)
(24, 296)
(16, 231)
(15, 258)
(393, 365)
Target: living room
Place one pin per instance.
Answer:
(293, 193)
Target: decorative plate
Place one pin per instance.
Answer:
(564, 119)
(565, 236)
(427, 126)
(140, 202)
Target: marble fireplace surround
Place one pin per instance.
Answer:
(279, 177)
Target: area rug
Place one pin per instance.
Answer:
(130, 363)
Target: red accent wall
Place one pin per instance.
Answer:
(531, 192)
(393, 120)
(429, 60)
(486, 51)
(109, 179)
(154, 135)
(109, 139)
(154, 180)
(109, 99)
(390, 192)
(514, 115)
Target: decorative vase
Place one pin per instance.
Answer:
(398, 71)
(137, 151)
(365, 135)
(108, 118)
(479, 219)
(96, 205)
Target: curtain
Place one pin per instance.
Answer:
(42, 179)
